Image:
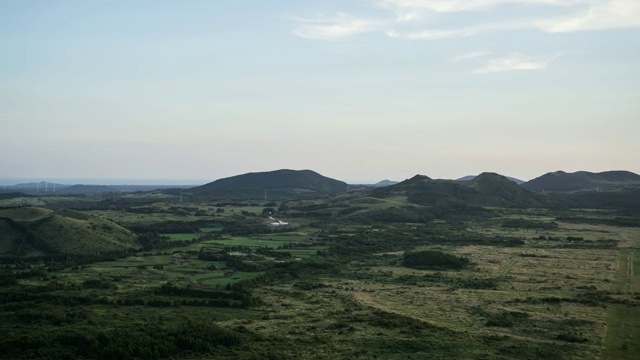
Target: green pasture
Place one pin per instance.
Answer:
(106, 267)
(249, 241)
(287, 237)
(304, 252)
(181, 237)
(134, 272)
(211, 229)
(219, 278)
(230, 210)
(190, 236)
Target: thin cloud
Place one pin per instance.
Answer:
(431, 34)
(470, 56)
(437, 34)
(614, 14)
(407, 16)
(515, 62)
(450, 6)
(337, 27)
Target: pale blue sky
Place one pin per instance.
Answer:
(359, 91)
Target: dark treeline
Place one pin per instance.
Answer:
(615, 221)
(529, 224)
(58, 261)
(626, 199)
(434, 260)
(367, 242)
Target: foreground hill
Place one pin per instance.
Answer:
(276, 184)
(40, 232)
(487, 189)
(561, 181)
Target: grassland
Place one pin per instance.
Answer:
(623, 326)
(336, 287)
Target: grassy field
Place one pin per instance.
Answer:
(220, 278)
(211, 229)
(181, 237)
(623, 321)
(560, 290)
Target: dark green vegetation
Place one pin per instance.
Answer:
(434, 260)
(425, 268)
(471, 177)
(487, 189)
(561, 181)
(279, 184)
(36, 232)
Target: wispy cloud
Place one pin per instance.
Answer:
(515, 62)
(614, 14)
(431, 34)
(437, 34)
(408, 16)
(339, 26)
(449, 6)
(432, 20)
(470, 56)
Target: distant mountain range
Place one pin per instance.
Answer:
(273, 184)
(561, 181)
(47, 188)
(306, 183)
(384, 183)
(471, 177)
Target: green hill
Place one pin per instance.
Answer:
(24, 213)
(561, 181)
(39, 232)
(277, 184)
(487, 189)
(471, 177)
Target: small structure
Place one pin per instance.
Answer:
(277, 223)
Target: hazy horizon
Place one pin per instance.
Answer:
(197, 182)
(357, 91)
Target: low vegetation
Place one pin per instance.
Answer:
(385, 274)
(434, 260)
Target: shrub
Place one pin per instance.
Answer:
(529, 224)
(430, 259)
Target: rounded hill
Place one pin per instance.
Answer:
(561, 181)
(277, 183)
(487, 189)
(39, 232)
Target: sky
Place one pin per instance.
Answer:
(359, 91)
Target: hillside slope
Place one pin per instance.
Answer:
(40, 232)
(561, 181)
(277, 183)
